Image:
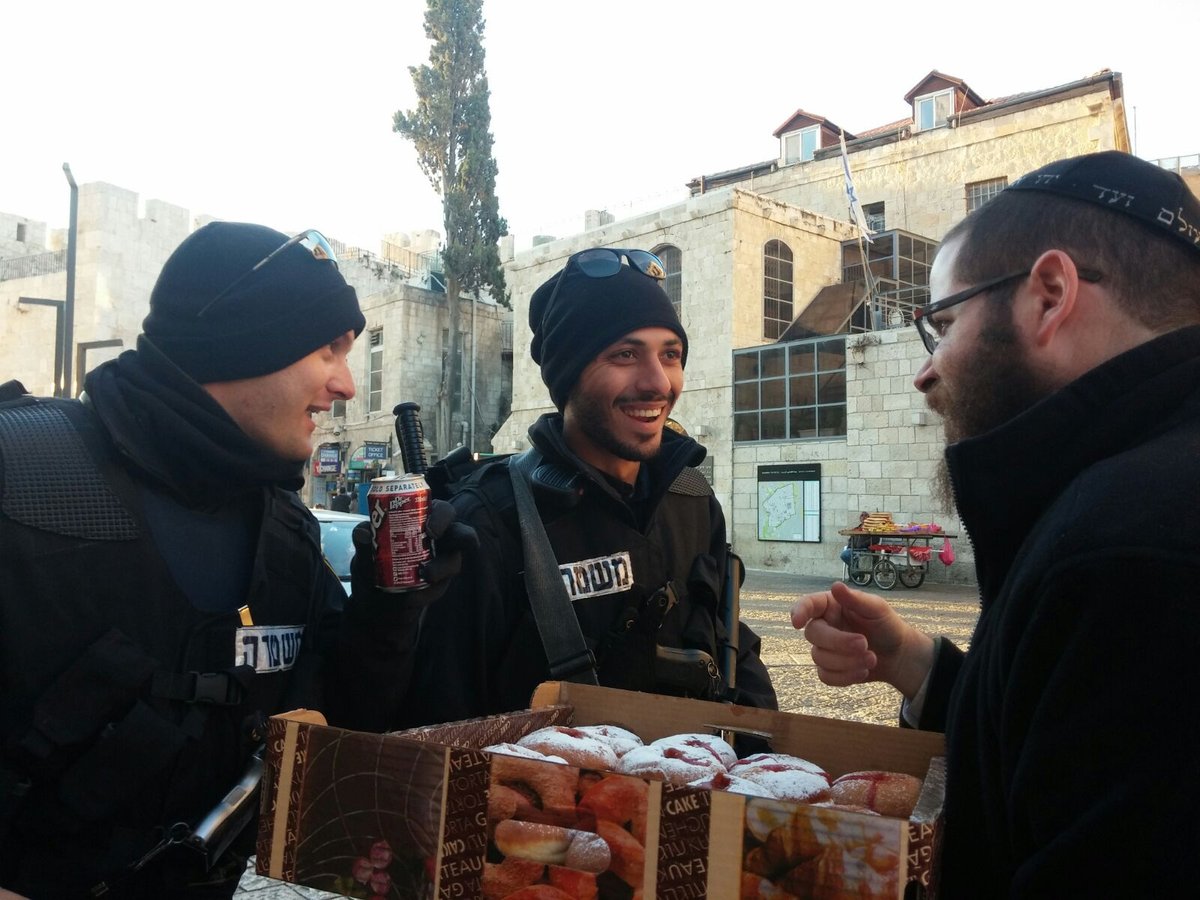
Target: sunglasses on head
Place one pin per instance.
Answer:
(604, 262)
(312, 241)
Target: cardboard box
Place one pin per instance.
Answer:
(414, 814)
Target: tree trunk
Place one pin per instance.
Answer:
(450, 370)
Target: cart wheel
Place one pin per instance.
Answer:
(885, 574)
(912, 576)
(860, 577)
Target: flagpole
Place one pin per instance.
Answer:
(864, 232)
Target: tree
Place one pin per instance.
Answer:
(451, 130)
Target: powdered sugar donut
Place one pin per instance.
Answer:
(667, 765)
(720, 781)
(523, 752)
(785, 777)
(620, 739)
(887, 793)
(776, 761)
(694, 746)
(576, 747)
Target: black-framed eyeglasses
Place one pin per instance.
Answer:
(928, 331)
(604, 262)
(312, 240)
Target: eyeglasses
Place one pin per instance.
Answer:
(928, 331)
(312, 240)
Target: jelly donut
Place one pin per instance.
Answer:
(720, 781)
(523, 752)
(887, 793)
(785, 777)
(670, 765)
(700, 745)
(577, 747)
(620, 739)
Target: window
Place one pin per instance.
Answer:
(932, 110)
(672, 260)
(375, 371)
(21, 232)
(980, 192)
(777, 289)
(875, 217)
(792, 391)
(339, 409)
(799, 146)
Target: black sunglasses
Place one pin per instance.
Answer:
(928, 331)
(604, 262)
(312, 240)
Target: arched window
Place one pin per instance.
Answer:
(777, 289)
(672, 260)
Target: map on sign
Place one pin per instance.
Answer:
(789, 503)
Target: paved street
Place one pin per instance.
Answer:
(936, 607)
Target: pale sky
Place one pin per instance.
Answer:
(280, 113)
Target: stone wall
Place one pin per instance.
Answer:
(119, 253)
(885, 464)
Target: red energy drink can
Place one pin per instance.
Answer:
(398, 508)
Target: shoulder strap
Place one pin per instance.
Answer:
(568, 654)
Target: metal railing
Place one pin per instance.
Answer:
(32, 266)
(1178, 163)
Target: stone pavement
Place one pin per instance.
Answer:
(937, 607)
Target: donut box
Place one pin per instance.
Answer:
(428, 813)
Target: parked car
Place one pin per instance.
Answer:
(335, 540)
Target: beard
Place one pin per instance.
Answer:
(997, 386)
(592, 417)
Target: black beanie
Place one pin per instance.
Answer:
(269, 320)
(587, 315)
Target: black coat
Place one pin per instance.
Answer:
(480, 652)
(107, 612)
(1073, 723)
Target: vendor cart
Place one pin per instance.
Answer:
(899, 555)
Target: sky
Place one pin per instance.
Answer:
(281, 113)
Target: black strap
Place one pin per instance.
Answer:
(568, 653)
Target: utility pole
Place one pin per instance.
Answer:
(68, 330)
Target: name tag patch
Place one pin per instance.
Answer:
(599, 576)
(268, 648)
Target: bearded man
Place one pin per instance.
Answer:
(1065, 363)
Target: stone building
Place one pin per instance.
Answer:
(800, 366)
(120, 250)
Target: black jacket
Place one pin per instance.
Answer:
(479, 649)
(131, 688)
(1073, 724)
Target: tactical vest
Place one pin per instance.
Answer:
(126, 709)
(615, 575)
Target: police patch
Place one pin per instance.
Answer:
(599, 576)
(267, 648)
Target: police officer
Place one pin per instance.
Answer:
(636, 533)
(161, 585)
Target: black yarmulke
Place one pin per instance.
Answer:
(1124, 184)
(269, 320)
(587, 315)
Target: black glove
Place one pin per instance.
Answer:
(450, 538)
